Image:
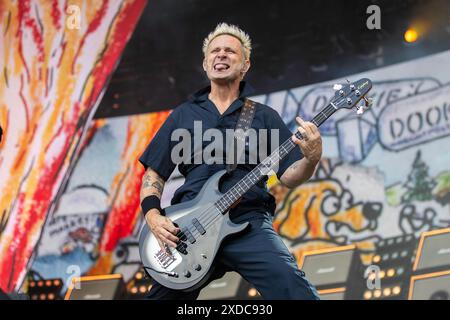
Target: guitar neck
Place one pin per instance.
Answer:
(263, 168)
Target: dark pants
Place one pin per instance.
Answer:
(260, 257)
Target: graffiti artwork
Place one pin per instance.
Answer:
(56, 59)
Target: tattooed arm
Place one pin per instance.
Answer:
(161, 226)
(152, 184)
(299, 172)
(311, 146)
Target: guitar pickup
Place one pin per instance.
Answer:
(198, 226)
(187, 234)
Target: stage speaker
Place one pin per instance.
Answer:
(230, 286)
(433, 253)
(330, 268)
(332, 294)
(432, 286)
(104, 287)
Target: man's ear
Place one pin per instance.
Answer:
(246, 66)
(204, 64)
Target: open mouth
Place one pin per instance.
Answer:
(221, 66)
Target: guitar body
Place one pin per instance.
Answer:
(193, 265)
(204, 220)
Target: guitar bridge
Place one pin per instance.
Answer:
(165, 258)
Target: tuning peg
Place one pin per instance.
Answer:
(361, 107)
(368, 102)
(337, 86)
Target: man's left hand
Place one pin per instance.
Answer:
(311, 144)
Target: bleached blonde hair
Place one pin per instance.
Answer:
(232, 30)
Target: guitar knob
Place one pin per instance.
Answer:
(357, 93)
(352, 87)
(198, 267)
(187, 274)
(349, 101)
(341, 92)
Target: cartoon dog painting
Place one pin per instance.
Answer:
(339, 205)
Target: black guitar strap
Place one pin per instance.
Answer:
(244, 122)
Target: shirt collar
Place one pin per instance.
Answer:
(245, 90)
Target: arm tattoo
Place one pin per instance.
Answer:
(147, 181)
(152, 184)
(157, 186)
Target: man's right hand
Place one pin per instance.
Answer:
(163, 228)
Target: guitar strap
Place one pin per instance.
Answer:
(244, 122)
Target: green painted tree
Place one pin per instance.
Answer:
(419, 185)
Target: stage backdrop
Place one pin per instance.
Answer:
(56, 58)
(383, 174)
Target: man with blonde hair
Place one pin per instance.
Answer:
(258, 255)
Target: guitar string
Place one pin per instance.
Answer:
(286, 147)
(290, 144)
(207, 222)
(213, 217)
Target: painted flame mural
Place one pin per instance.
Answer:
(55, 60)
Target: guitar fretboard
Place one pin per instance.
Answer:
(264, 167)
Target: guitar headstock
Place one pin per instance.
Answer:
(348, 95)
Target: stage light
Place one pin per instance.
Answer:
(143, 289)
(390, 272)
(376, 259)
(387, 292)
(411, 35)
(396, 290)
(367, 295)
(139, 285)
(382, 274)
(252, 292)
(45, 289)
(377, 293)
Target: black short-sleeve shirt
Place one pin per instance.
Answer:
(196, 116)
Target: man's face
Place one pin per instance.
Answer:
(225, 60)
